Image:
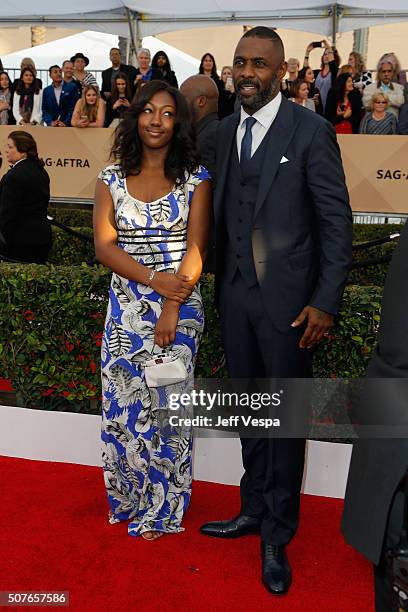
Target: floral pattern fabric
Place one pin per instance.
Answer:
(146, 463)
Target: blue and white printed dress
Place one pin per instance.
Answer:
(147, 468)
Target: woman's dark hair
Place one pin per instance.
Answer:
(35, 87)
(337, 59)
(127, 147)
(6, 73)
(25, 143)
(115, 92)
(214, 73)
(167, 65)
(339, 86)
(302, 74)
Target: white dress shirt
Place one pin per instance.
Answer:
(57, 93)
(265, 116)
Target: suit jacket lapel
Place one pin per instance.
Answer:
(279, 135)
(224, 150)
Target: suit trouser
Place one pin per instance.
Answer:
(273, 467)
(382, 585)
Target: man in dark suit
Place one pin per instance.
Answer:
(58, 101)
(283, 235)
(373, 510)
(201, 93)
(109, 74)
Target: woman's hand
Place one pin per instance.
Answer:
(4, 106)
(117, 103)
(347, 113)
(172, 286)
(83, 123)
(165, 331)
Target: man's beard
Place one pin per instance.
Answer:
(261, 98)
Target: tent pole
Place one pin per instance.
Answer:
(131, 37)
(334, 24)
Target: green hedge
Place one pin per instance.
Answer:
(51, 323)
(372, 275)
(68, 250)
(71, 216)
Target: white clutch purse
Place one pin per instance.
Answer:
(163, 370)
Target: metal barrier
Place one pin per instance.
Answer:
(43, 74)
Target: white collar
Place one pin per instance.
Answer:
(266, 114)
(18, 161)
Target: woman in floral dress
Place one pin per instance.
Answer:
(151, 223)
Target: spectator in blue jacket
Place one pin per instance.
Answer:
(58, 100)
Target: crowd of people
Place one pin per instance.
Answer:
(347, 95)
(283, 240)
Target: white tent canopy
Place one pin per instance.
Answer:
(154, 17)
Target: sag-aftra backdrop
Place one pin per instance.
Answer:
(73, 157)
(376, 167)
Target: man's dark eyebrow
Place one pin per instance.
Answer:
(253, 59)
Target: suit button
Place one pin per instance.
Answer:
(239, 238)
(240, 220)
(240, 202)
(243, 184)
(239, 256)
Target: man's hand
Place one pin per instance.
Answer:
(318, 324)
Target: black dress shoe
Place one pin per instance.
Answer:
(235, 528)
(276, 572)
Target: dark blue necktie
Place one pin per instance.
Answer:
(246, 144)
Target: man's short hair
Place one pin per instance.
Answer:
(52, 68)
(267, 33)
(115, 49)
(66, 62)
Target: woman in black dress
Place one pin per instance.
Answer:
(161, 62)
(208, 67)
(118, 103)
(24, 196)
(227, 95)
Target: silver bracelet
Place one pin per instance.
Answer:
(151, 277)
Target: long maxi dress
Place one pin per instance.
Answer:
(147, 467)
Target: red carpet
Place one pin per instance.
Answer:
(55, 536)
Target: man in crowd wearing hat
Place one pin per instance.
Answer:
(82, 76)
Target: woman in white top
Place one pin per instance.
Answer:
(27, 99)
(301, 91)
